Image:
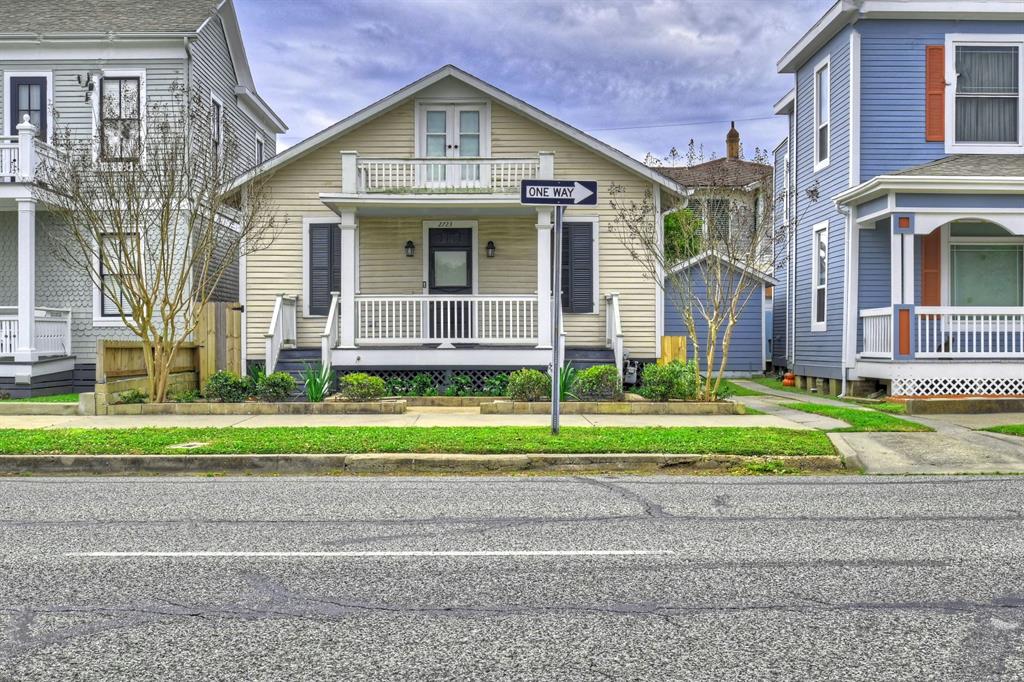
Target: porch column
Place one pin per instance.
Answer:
(544, 331)
(347, 313)
(26, 349)
(902, 285)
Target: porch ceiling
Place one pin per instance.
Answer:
(415, 206)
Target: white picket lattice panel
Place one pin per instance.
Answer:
(939, 386)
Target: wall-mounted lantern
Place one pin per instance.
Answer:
(410, 249)
(490, 249)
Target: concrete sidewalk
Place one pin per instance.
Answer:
(414, 417)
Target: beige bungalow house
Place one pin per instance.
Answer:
(405, 247)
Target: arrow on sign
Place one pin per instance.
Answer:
(559, 192)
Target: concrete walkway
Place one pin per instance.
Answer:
(421, 417)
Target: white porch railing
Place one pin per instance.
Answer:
(475, 174)
(281, 333)
(957, 332)
(877, 332)
(613, 330)
(52, 336)
(21, 155)
(483, 319)
(10, 154)
(329, 338)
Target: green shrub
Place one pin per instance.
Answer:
(460, 384)
(276, 387)
(187, 396)
(132, 397)
(361, 386)
(672, 381)
(422, 384)
(567, 382)
(318, 382)
(396, 386)
(227, 387)
(529, 385)
(496, 384)
(600, 382)
(257, 373)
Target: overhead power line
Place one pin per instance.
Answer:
(683, 123)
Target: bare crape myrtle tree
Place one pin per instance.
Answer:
(140, 207)
(716, 246)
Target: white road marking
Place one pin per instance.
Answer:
(357, 555)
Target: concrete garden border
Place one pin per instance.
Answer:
(253, 408)
(614, 407)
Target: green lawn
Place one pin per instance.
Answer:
(59, 398)
(881, 406)
(859, 420)
(1011, 429)
(476, 440)
(732, 389)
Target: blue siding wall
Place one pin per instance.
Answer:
(874, 270)
(779, 309)
(892, 89)
(747, 341)
(819, 354)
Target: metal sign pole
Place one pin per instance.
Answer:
(556, 319)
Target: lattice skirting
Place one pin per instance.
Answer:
(440, 377)
(953, 386)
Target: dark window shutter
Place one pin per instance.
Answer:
(324, 267)
(578, 267)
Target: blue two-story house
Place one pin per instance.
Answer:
(901, 198)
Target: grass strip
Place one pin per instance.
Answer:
(732, 389)
(59, 398)
(859, 420)
(881, 406)
(1009, 429)
(471, 440)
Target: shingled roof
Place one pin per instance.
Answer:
(51, 17)
(970, 165)
(723, 172)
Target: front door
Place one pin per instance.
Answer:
(449, 277)
(452, 132)
(28, 97)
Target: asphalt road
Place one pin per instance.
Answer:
(666, 578)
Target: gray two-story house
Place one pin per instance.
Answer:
(56, 58)
(901, 194)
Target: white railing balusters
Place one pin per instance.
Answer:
(282, 330)
(961, 332)
(478, 174)
(446, 319)
(53, 331)
(877, 333)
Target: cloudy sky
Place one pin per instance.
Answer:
(644, 76)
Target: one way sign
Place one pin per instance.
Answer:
(559, 192)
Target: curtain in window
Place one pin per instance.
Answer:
(987, 93)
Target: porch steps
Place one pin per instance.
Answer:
(581, 358)
(295, 360)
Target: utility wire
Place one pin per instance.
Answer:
(683, 123)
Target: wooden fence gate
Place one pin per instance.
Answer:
(219, 335)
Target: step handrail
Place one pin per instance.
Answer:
(614, 338)
(282, 329)
(329, 337)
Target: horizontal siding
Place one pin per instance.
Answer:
(779, 305)
(874, 271)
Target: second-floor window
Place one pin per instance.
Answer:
(819, 276)
(259, 151)
(822, 86)
(988, 88)
(120, 118)
(216, 126)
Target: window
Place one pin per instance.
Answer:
(578, 272)
(717, 219)
(216, 125)
(28, 97)
(120, 118)
(110, 271)
(987, 94)
(259, 151)
(987, 274)
(819, 276)
(822, 86)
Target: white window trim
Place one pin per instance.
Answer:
(98, 318)
(815, 230)
(952, 41)
(48, 75)
(117, 73)
(257, 141)
(475, 246)
(823, 64)
(214, 99)
(322, 219)
(596, 233)
(949, 241)
(453, 104)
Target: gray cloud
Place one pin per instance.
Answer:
(596, 65)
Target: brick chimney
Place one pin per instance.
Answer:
(732, 142)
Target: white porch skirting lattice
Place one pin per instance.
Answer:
(956, 386)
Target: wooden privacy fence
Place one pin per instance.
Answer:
(219, 337)
(672, 348)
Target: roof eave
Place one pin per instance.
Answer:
(96, 37)
(259, 106)
(785, 104)
(820, 33)
(883, 184)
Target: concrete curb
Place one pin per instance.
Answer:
(17, 409)
(100, 465)
(851, 460)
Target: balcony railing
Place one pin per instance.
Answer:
(53, 331)
(946, 332)
(23, 154)
(414, 320)
(498, 176)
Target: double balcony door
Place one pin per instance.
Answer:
(454, 132)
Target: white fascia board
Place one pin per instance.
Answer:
(785, 105)
(883, 184)
(426, 200)
(518, 105)
(256, 108)
(236, 47)
(753, 272)
(96, 49)
(830, 23)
